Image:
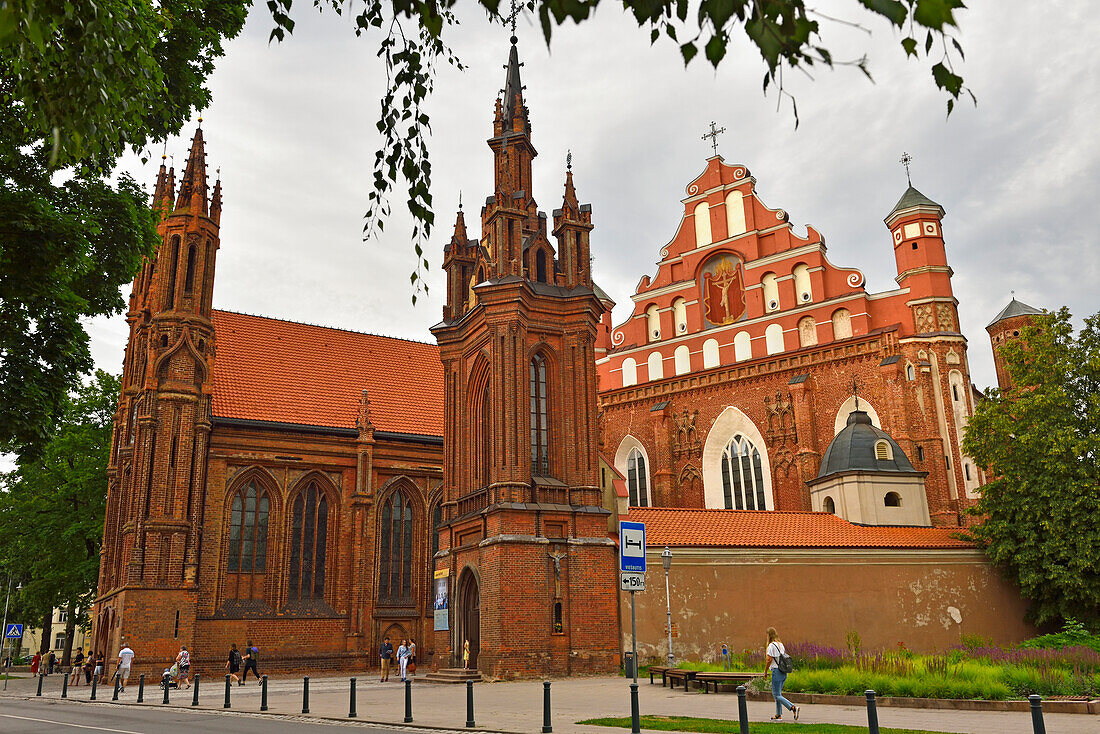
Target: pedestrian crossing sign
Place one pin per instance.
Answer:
(13, 631)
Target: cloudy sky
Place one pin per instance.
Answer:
(292, 128)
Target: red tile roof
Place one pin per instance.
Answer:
(272, 370)
(758, 529)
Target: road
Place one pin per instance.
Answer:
(33, 717)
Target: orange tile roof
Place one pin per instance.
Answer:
(759, 529)
(272, 370)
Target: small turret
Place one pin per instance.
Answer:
(192, 193)
(572, 224)
(1005, 327)
(216, 202)
(165, 188)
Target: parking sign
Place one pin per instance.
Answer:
(632, 546)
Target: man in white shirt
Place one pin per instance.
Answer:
(125, 658)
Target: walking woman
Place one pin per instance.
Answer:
(773, 654)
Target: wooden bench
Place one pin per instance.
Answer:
(707, 678)
(653, 669)
(675, 674)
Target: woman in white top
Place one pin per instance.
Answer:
(771, 665)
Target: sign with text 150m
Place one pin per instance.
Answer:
(632, 546)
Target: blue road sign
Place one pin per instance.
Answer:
(632, 546)
(14, 631)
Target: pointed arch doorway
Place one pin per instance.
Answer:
(469, 617)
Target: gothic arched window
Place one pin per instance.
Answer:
(248, 529)
(540, 266)
(637, 480)
(395, 558)
(174, 253)
(308, 543)
(742, 476)
(540, 418)
(189, 279)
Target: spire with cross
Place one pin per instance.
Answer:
(905, 160)
(855, 392)
(510, 19)
(715, 131)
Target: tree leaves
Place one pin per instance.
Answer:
(1040, 441)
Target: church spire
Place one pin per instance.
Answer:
(193, 184)
(513, 94)
(216, 200)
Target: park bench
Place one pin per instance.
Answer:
(675, 674)
(654, 669)
(707, 678)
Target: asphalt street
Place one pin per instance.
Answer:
(34, 717)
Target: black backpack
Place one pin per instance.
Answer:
(783, 663)
(237, 657)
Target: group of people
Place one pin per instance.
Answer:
(249, 660)
(406, 658)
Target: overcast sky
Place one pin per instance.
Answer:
(292, 127)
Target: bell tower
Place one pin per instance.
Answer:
(524, 559)
(157, 470)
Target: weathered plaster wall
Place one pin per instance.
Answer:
(923, 598)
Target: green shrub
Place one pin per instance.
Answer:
(1073, 634)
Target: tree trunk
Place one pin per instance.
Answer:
(70, 632)
(47, 632)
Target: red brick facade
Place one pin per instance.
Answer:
(748, 330)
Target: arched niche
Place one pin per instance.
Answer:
(729, 423)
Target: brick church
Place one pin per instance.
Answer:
(315, 489)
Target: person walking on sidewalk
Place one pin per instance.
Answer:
(233, 664)
(385, 654)
(184, 661)
(403, 660)
(778, 663)
(125, 658)
(412, 656)
(251, 658)
(78, 667)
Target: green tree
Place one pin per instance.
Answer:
(1040, 441)
(52, 508)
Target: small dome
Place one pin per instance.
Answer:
(856, 448)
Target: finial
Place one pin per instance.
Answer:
(510, 19)
(713, 135)
(164, 153)
(460, 199)
(855, 391)
(200, 121)
(905, 160)
(173, 158)
(218, 172)
(569, 160)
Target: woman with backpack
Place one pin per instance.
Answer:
(233, 665)
(778, 663)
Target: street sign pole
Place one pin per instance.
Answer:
(634, 636)
(7, 668)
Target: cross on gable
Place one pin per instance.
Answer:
(713, 135)
(905, 160)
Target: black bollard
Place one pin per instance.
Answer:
(228, 686)
(263, 693)
(65, 687)
(635, 720)
(166, 683)
(742, 710)
(546, 727)
(1037, 714)
(351, 708)
(872, 713)
(141, 688)
(40, 677)
(305, 695)
(195, 697)
(408, 701)
(95, 680)
(470, 704)
(114, 694)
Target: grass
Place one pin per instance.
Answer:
(726, 726)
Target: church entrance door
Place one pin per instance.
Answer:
(469, 616)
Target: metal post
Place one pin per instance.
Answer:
(65, 686)
(668, 621)
(1037, 714)
(470, 704)
(546, 727)
(305, 695)
(635, 720)
(872, 713)
(263, 692)
(114, 694)
(95, 681)
(167, 683)
(351, 709)
(634, 637)
(228, 686)
(195, 698)
(742, 711)
(408, 701)
(5, 628)
(141, 688)
(40, 677)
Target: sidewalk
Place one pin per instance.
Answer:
(517, 706)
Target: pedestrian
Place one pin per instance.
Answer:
(89, 667)
(36, 663)
(466, 655)
(122, 672)
(403, 660)
(78, 667)
(385, 653)
(251, 658)
(233, 665)
(100, 667)
(183, 659)
(412, 656)
(778, 663)
(51, 663)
